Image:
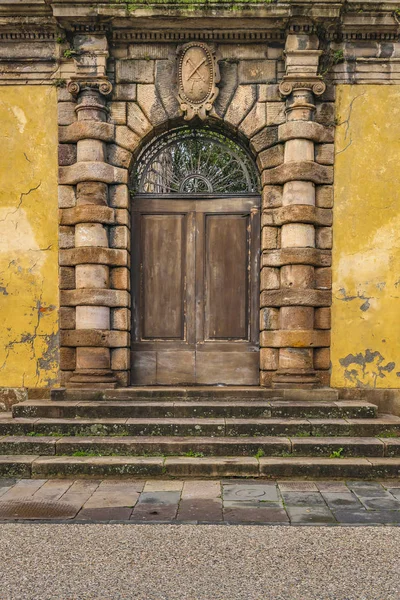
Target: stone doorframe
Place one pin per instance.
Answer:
(295, 162)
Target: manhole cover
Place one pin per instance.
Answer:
(297, 486)
(30, 509)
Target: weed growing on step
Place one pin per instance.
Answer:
(389, 434)
(260, 453)
(337, 453)
(192, 454)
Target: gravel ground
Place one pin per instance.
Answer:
(210, 562)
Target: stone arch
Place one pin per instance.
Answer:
(106, 138)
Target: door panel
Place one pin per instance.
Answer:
(195, 291)
(163, 266)
(226, 277)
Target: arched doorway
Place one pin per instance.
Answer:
(195, 271)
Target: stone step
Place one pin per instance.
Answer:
(200, 446)
(191, 409)
(201, 393)
(207, 467)
(382, 426)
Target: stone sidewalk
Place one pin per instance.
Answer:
(193, 501)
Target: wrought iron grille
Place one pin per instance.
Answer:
(194, 161)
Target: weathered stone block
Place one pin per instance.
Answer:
(91, 150)
(66, 317)
(119, 237)
(94, 338)
(324, 237)
(302, 171)
(118, 156)
(134, 71)
(227, 86)
(92, 171)
(138, 121)
(271, 196)
(324, 196)
(91, 234)
(295, 339)
(120, 278)
(91, 192)
(118, 112)
(296, 358)
(322, 358)
(166, 77)
(322, 318)
(92, 276)
(325, 154)
(269, 279)
(308, 130)
(241, 104)
(269, 238)
(121, 319)
(266, 378)
(83, 130)
(297, 213)
(297, 276)
(125, 92)
(122, 217)
(297, 256)
(150, 103)
(297, 235)
(257, 71)
(296, 317)
(325, 113)
(269, 93)
(266, 138)
(119, 196)
(66, 236)
(323, 278)
(94, 297)
(272, 157)
(67, 278)
(276, 113)
(290, 297)
(67, 359)
(66, 154)
(66, 196)
(126, 138)
(93, 358)
(92, 317)
(269, 359)
(120, 359)
(87, 213)
(255, 120)
(269, 318)
(66, 113)
(102, 256)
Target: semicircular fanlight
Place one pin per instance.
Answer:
(194, 161)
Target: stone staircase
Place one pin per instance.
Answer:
(198, 432)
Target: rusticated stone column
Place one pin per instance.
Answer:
(296, 337)
(92, 256)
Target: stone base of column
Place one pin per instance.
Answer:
(93, 379)
(295, 378)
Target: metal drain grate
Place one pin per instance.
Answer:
(297, 486)
(30, 509)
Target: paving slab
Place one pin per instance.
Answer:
(360, 517)
(307, 514)
(53, 490)
(303, 499)
(265, 493)
(104, 514)
(342, 500)
(202, 510)
(201, 490)
(255, 515)
(163, 486)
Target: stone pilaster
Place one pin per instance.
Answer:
(296, 296)
(92, 295)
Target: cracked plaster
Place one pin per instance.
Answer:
(28, 237)
(366, 249)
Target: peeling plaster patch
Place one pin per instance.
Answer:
(364, 307)
(20, 116)
(366, 368)
(3, 291)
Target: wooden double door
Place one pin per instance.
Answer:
(195, 290)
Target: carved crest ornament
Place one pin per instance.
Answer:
(198, 75)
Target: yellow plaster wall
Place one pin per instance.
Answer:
(28, 237)
(366, 251)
